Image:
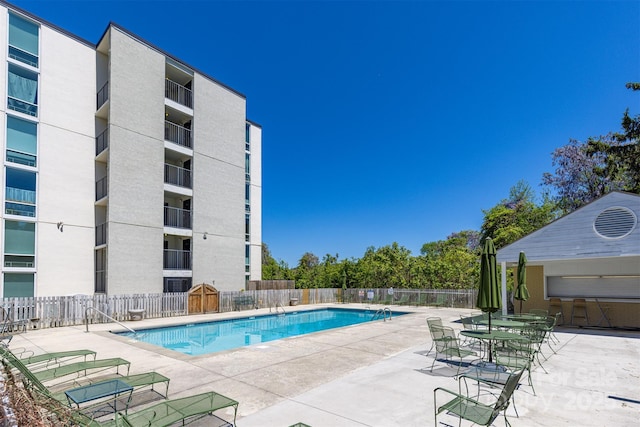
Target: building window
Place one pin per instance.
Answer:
(177, 284)
(247, 167)
(100, 285)
(19, 244)
(247, 258)
(18, 285)
(247, 136)
(22, 90)
(22, 141)
(247, 202)
(23, 40)
(247, 227)
(20, 193)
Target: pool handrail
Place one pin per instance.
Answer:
(86, 319)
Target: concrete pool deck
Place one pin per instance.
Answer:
(373, 374)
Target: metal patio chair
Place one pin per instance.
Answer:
(448, 346)
(470, 409)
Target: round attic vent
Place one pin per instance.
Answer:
(615, 222)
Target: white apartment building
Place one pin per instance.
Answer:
(125, 170)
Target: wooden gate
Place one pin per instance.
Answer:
(203, 298)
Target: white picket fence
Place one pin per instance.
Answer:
(49, 312)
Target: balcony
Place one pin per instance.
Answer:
(21, 106)
(19, 261)
(20, 195)
(176, 175)
(178, 93)
(21, 158)
(177, 218)
(175, 259)
(101, 188)
(102, 96)
(177, 134)
(102, 142)
(23, 56)
(101, 234)
(11, 208)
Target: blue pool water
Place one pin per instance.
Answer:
(210, 337)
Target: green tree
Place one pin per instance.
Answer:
(272, 269)
(516, 216)
(588, 170)
(386, 266)
(621, 151)
(329, 273)
(306, 272)
(451, 263)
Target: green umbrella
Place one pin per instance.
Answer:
(489, 290)
(522, 293)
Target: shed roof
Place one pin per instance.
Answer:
(607, 227)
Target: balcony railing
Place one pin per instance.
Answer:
(177, 176)
(177, 134)
(11, 208)
(176, 217)
(19, 261)
(23, 56)
(175, 259)
(178, 93)
(101, 234)
(20, 195)
(22, 106)
(21, 158)
(102, 142)
(102, 96)
(101, 188)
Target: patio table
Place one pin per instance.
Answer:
(526, 317)
(102, 389)
(508, 324)
(491, 336)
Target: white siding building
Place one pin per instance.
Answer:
(124, 170)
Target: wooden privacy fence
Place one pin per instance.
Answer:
(49, 312)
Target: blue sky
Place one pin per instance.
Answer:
(394, 121)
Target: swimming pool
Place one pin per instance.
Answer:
(210, 337)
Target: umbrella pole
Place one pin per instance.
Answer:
(520, 306)
(490, 342)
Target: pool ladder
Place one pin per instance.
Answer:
(276, 309)
(382, 312)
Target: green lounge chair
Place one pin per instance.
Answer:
(162, 414)
(169, 412)
(470, 409)
(80, 367)
(136, 381)
(57, 356)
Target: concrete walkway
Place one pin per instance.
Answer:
(374, 374)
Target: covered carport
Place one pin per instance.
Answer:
(593, 254)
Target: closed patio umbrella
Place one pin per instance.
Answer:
(489, 289)
(522, 293)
